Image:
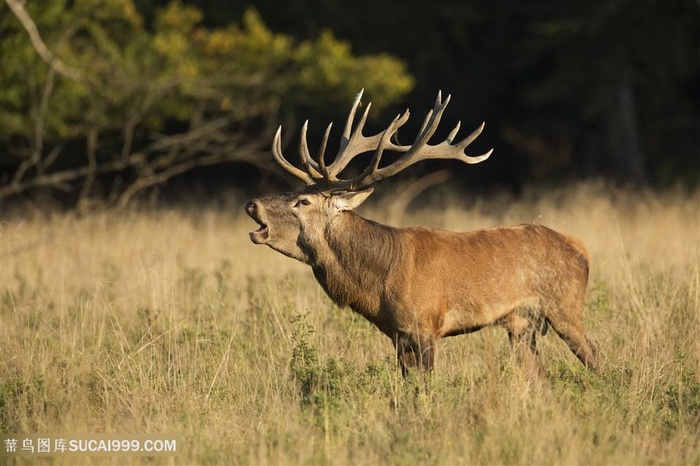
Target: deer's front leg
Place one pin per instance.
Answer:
(414, 351)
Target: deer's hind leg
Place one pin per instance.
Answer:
(568, 323)
(523, 326)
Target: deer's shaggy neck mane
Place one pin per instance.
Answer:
(355, 262)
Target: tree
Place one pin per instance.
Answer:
(612, 70)
(91, 90)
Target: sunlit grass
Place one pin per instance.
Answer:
(173, 322)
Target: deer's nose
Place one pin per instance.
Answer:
(250, 207)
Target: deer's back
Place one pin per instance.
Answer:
(484, 274)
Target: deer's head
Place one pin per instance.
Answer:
(291, 223)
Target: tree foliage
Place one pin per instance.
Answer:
(142, 102)
(567, 89)
(615, 72)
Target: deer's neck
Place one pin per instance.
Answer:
(354, 262)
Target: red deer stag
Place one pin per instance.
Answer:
(419, 284)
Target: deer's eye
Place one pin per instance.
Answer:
(303, 202)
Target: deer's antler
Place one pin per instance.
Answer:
(354, 143)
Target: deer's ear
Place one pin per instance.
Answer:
(350, 199)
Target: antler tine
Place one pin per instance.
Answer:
(322, 153)
(277, 152)
(471, 160)
(430, 124)
(351, 116)
(311, 168)
(438, 105)
(453, 133)
(347, 131)
(426, 120)
(468, 140)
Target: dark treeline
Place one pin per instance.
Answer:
(574, 89)
(155, 95)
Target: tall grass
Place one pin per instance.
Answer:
(173, 322)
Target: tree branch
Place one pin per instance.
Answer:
(251, 153)
(59, 178)
(47, 55)
(409, 193)
(34, 159)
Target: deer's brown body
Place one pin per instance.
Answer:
(420, 284)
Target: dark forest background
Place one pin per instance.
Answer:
(120, 100)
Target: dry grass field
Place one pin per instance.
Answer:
(172, 322)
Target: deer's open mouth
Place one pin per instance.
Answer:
(261, 235)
